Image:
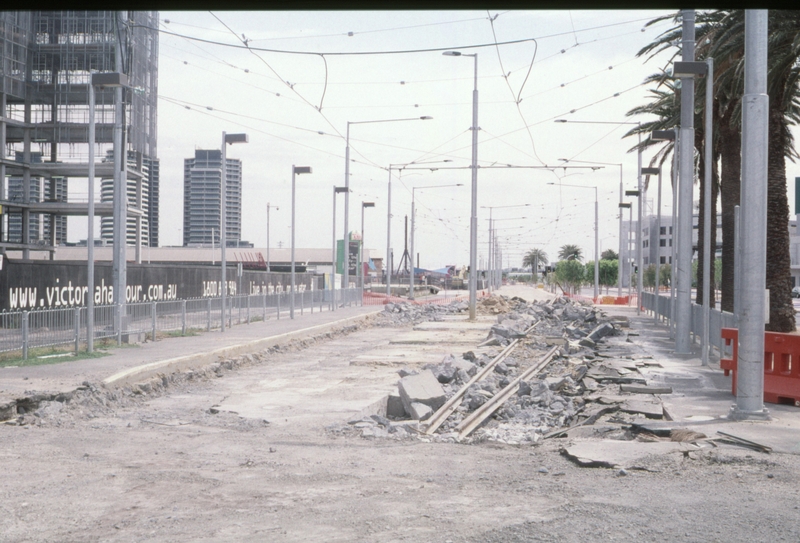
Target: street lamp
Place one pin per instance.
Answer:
(114, 80)
(413, 214)
(473, 224)
(628, 206)
(336, 190)
(639, 185)
(276, 209)
(295, 170)
(596, 238)
(227, 139)
(361, 264)
(388, 265)
(491, 244)
(619, 258)
(347, 182)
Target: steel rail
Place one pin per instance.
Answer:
(466, 426)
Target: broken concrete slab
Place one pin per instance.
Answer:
(419, 411)
(645, 389)
(422, 388)
(394, 407)
(621, 454)
(651, 410)
(601, 331)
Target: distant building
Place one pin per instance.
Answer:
(201, 199)
(46, 61)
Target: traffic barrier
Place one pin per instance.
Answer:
(781, 371)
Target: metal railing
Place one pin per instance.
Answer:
(25, 330)
(716, 322)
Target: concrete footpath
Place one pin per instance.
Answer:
(132, 363)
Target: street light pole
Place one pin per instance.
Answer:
(473, 226)
(295, 170)
(223, 226)
(336, 190)
(490, 260)
(347, 186)
(361, 264)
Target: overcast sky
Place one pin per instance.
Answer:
(582, 65)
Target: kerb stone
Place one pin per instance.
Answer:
(422, 388)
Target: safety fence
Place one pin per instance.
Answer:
(24, 330)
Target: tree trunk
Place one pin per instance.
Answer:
(699, 145)
(779, 277)
(730, 143)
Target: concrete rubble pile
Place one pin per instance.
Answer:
(591, 378)
(398, 314)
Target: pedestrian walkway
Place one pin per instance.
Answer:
(129, 362)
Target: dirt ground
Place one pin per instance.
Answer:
(262, 453)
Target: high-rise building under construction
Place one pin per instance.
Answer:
(46, 62)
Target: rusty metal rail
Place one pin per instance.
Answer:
(469, 424)
(452, 404)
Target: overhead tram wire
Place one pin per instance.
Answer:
(394, 52)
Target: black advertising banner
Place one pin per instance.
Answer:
(48, 285)
(353, 258)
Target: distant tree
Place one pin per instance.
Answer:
(609, 254)
(534, 258)
(570, 252)
(570, 273)
(649, 277)
(609, 271)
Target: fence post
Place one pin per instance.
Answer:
(183, 317)
(302, 301)
(153, 317)
(248, 309)
(24, 335)
(208, 326)
(279, 305)
(77, 329)
(119, 323)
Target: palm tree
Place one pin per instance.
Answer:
(533, 258)
(570, 252)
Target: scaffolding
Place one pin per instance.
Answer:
(47, 58)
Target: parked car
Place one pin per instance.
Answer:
(796, 292)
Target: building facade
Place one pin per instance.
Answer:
(47, 59)
(201, 199)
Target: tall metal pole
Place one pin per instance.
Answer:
(596, 250)
(223, 227)
(639, 249)
(346, 257)
(707, 271)
(621, 252)
(333, 253)
(411, 277)
(291, 298)
(120, 196)
(683, 316)
(268, 208)
(90, 228)
(388, 265)
(674, 264)
(658, 250)
(755, 111)
(628, 260)
(489, 260)
(473, 227)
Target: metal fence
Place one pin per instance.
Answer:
(717, 320)
(24, 330)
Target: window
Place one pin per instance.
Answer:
(663, 260)
(662, 243)
(664, 230)
(670, 230)
(670, 242)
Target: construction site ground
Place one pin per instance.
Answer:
(244, 436)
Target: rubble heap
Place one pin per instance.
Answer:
(585, 378)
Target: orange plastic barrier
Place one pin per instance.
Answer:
(781, 365)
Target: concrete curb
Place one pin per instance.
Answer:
(171, 365)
